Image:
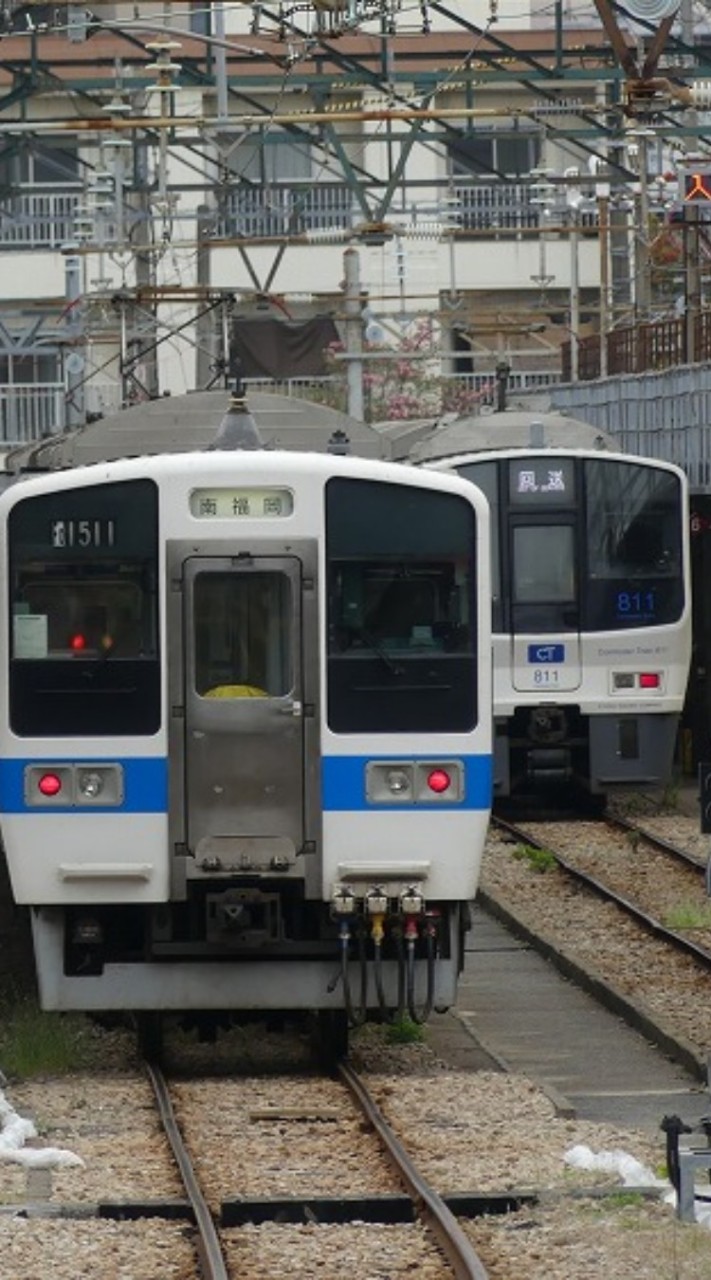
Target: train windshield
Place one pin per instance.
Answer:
(401, 614)
(634, 550)
(83, 609)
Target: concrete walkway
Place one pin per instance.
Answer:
(520, 1010)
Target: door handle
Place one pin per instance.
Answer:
(292, 708)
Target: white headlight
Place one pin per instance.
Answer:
(398, 782)
(90, 784)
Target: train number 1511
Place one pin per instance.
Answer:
(82, 533)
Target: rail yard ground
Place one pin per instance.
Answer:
(578, 1081)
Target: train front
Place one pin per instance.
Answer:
(246, 723)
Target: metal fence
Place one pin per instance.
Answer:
(664, 415)
(662, 344)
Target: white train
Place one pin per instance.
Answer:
(591, 612)
(246, 755)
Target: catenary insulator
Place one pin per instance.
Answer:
(701, 94)
(652, 10)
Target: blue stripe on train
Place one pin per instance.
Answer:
(343, 784)
(145, 785)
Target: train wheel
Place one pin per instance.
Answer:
(149, 1029)
(329, 1036)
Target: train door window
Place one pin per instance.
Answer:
(634, 522)
(401, 608)
(83, 607)
(485, 475)
(543, 568)
(243, 634)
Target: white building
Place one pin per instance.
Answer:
(167, 183)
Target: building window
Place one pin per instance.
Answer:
(508, 154)
(52, 162)
(271, 157)
(24, 370)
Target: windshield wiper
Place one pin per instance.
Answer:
(378, 650)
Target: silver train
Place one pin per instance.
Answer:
(246, 733)
(591, 609)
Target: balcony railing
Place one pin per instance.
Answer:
(38, 218)
(44, 217)
(28, 412)
(298, 209)
(286, 210)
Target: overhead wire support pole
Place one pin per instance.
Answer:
(353, 311)
(218, 10)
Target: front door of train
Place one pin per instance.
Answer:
(545, 609)
(244, 734)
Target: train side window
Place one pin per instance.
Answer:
(242, 635)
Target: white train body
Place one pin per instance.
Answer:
(246, 728)
(591, 614)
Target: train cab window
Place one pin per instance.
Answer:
(633, 545)
(401, 616)
(83, 608)
(243, 635)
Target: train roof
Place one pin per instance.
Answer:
(509, 429)
(179, 424)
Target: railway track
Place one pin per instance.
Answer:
(618, 908)
(652, 880)
(421, 1204)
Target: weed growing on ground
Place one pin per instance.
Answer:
(539, 860)
(404, 1031)
(689, 915)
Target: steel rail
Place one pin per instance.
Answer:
(429, 1205)
(209, 1248)
(649, 922)
(657, 842)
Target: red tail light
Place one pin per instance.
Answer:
(50, 784)
(438, 780)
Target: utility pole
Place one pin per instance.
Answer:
(145, 278)
(603, 205)
(692, 281)
(353, 311)
(74, 358)
(205, 321)
(574, 297)
(641, 257)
